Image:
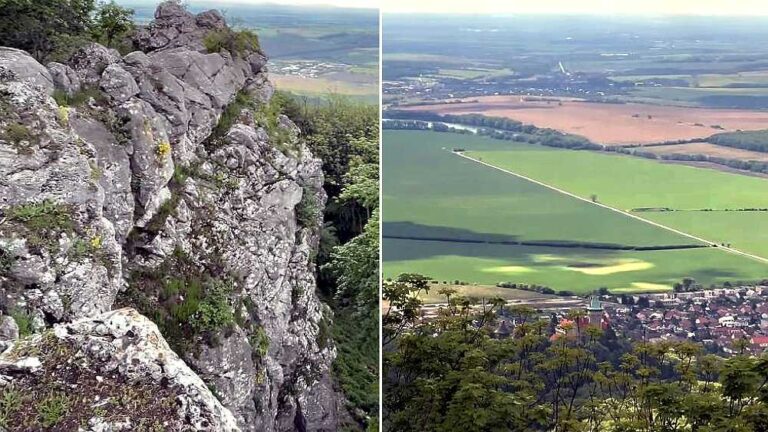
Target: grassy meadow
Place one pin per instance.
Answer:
(451, 218)
(706, 199)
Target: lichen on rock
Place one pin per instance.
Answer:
(127, 202)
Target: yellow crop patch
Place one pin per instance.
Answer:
(642, 287)
(508, 269)
(602, 270)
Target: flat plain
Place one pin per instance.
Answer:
(608, 123)
(455, 219)
(711, 204)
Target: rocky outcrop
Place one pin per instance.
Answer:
(175, 27)
(64, 78)
(129, 379)
(99, 201)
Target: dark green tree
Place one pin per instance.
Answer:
(112, 21)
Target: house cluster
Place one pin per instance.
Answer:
(725, 320)
(722, 319)
(307, 68)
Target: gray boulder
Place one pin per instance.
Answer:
(118, 84)
(17, 65)
(64, 78)
(90, 61)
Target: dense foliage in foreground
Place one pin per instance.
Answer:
(451, 375)
(50, 30)
(345, 136)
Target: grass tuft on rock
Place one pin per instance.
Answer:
(238, 43)
(44, 222)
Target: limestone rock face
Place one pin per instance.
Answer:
(90, 61)
(118, 357)
(17, 65)
(95, 197)
(175, 27)
(64, 78)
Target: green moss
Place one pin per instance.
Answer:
(307, 209)
(10, 402)
(266, 115)
(214, 312)
(166, 209)
(44, 222)
(229, 116)
(20, 137)
(44, 215)
(52, 409)
(324, 333)
(80, 97)
(185, 300)
(96, 171)
(6, 261)
(259, 341)
(62, 396)
(23, 321)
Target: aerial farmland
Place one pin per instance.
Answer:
(456, 219)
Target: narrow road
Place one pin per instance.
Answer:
(710, 243)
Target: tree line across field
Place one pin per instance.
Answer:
(513, 130)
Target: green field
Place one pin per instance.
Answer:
(438, 206)
(628, 183)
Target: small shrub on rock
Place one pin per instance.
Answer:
(20, 137)
(44, 222)
(239, 43)
(51, 409)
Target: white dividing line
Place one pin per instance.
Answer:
(710, 243)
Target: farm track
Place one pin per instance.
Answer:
(656, 224)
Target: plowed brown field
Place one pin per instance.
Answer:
(708, 150)
(609, 124)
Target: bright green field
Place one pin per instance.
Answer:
(489, 264)
(431, 193)
(627, 182)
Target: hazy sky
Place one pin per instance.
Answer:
(374, 4)
(602, 7)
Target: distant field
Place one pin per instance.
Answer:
(629, 123)
(451, 218)
(707, 149)
(745, 79)
(628, 183)
(483, 291)
(559, 268)
(322, 86)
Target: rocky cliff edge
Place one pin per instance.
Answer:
(146, 187)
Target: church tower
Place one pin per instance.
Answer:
(595, 312)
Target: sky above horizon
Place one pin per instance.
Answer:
(367, 4)
(581, 7)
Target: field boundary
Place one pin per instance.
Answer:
(656, 224)
(551, 244)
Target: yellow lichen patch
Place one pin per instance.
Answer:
(619, 267)
(163, 149)
(508, 269)
(96, 242)
(63, 116)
